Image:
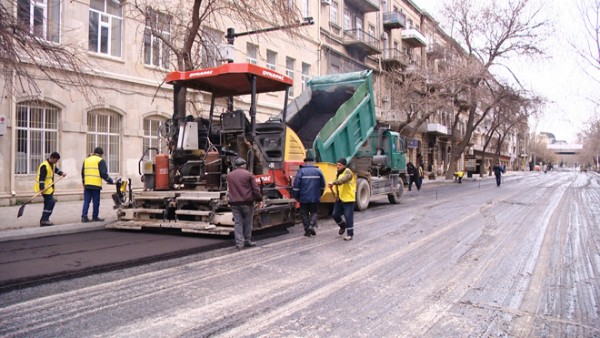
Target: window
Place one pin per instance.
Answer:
(305, 74)
(156, 52)
(347, 19)
(304, 9)
(151, 136)
(37, 135)
(211, 53)
(105, 27)
(333, 13)
(104, 131)
(40, 17)
(251, 53)
(271, 59)
(289, 71)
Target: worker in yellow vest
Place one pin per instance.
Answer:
(45, 183)
(345, 184)
(94, 170)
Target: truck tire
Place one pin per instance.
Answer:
(363, 194)
(396, 197)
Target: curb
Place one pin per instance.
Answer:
(54, 230)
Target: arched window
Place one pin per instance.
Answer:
(37, 135)
(104, 130)
(152, 138)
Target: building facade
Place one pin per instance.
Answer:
(130, 103)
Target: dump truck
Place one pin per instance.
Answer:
(186, 189)
(335, 117)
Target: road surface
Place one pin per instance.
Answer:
(470, 259)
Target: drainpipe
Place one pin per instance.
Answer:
(13, 135)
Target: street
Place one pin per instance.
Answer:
(470, 259)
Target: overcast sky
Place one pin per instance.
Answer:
(560, 79)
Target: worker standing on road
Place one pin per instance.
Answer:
(93, 171)
(309, 185)
(345, 184)
(498, 172)
(243, 192)
(43, 182)
(413, 175)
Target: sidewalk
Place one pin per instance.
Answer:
(66, 218)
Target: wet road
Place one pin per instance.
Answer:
(470, 259)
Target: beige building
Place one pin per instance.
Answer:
(129, 67)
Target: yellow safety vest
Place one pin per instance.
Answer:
(91, 172)
(347, 191)
(49, 178)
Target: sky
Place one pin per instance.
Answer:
(560, 78)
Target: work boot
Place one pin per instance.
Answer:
(97, 219)
(342, 228)
(249, 244)
(85, 219)
(46, 223)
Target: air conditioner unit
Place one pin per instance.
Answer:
(326, 2)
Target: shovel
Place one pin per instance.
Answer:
(22, 208)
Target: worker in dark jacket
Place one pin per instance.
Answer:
(93, 171)
(308, 188)
(498, 170)
(242, 192)
(44, 183)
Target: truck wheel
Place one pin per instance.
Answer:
(363, 194)
(397, 196)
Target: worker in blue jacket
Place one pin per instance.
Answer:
(309, 185)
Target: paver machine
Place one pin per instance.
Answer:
(187, 188)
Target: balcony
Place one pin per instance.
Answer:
(413, 38)
(394, 57)
(435, 51)
(364, 6)
(361, 40)
(434, 128)
(393, 20)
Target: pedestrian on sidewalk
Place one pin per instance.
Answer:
(309, 185)
(93, 171)
(498, 172)
(345, 184)
(243, 193)
(44, 183)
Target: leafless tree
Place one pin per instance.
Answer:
(490, 32)
(590, 154)
(414, 98)
(191, 31)
(590, 15)
(27, 55)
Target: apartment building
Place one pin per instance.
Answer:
(130, 64)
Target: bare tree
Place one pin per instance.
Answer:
(414, 98)
(490, 33)
(28, 54)
(590, 154)
(590, 14)
(193, 36)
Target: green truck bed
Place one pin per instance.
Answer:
(335, 115)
